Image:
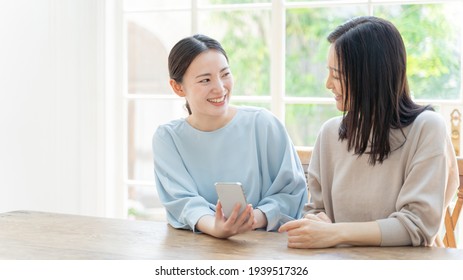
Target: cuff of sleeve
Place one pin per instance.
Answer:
(272, 213)
(393, 233)
(196, 215)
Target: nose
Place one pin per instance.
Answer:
(219, 85)
(329, 82)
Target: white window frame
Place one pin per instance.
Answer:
(117, 104)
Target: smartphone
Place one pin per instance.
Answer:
(229, 194)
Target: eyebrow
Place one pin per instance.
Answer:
(332, 68)
(208, 74)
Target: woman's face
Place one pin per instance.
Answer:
(207, 84)
(333, 82)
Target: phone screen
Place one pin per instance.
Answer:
(229, 194)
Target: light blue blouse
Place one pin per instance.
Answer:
(253, 148)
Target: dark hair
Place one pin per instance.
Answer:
(372, 62)
(185, 51)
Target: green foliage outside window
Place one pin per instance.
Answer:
(433, 41)
(431, 34)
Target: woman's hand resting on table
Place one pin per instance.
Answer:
(318, 231)
(313, 231)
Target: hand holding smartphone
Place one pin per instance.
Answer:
(229, 194)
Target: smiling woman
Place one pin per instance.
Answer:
(222, 143)
(388, 156)
(207, 81)
(278, 61)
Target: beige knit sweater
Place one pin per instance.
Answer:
(406, 194)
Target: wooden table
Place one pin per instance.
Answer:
(38, 235)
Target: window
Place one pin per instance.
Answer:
(277, 52)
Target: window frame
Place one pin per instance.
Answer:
(277, 98)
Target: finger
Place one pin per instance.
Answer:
(218, 211)
(299, 245)
(249, 220)
(290, 226)
(300, 238)
(246, 215)
(311, 217)
(252, 218)
(234, 214)
(300, 232)
(324, 217)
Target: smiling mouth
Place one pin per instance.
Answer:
(217, 100)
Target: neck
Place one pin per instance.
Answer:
(211, 123)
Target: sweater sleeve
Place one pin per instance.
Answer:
(407, 194)
(176, 188)
(429, 178)
(315, 205)
(284, 191)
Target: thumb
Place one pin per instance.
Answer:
(218, 211)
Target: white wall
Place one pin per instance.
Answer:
(51, 106)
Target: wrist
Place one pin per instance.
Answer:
(206, 224)
(358, 234)
(341, 233)
(260, 218)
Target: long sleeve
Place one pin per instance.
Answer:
(316, 204)
(253, 149)
(406, 194)
(176, 188)
(430, 176)
(284, 190)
